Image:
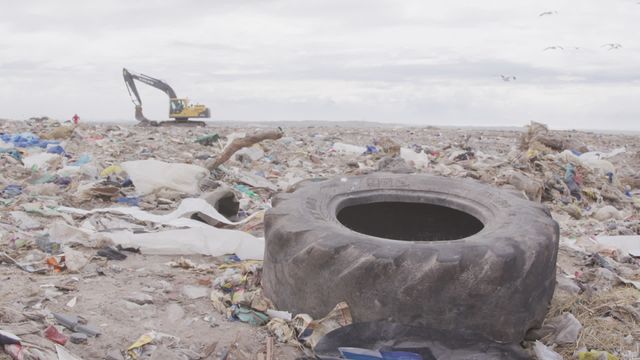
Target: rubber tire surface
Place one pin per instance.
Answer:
(497, 282)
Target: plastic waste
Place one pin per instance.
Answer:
(598, 155)
(203, 240)
(12, 152)
(112, 169)
(49, 245)
(311, 331)
(596, 355)
(38, 161)
(544, 353)
(607, 212)
(64, 354)
(255, 181)
(352, 353)
(276, 314)
(208, 140)
(82, 160)
(152, 175)
(55, 149)
(419, 160)
(563, 329)
(348, 148)
(131, 201)
(78, 338)
(7, 338)
(148, 343)
(179, 217)
(281, 329)
(250, 316)
(72, 322)
(628, 243)
(26, 140)
(430, 343)
(54, 335)
(249, 154)
(11, 191)
(75, 260)
(247, 191)
(532, 188)
(371, 149)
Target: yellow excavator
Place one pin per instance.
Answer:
(179, 108)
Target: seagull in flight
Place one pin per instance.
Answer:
(557, 47)
(612, 46)
(507, 78)
(548, 13)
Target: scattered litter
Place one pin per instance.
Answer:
(81, 208)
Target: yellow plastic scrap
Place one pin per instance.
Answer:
(113, 169)
(142, 341)
(595, 355)
(591, 193)
(242, 264)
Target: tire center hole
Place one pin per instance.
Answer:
(409, 221)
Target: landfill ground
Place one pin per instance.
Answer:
(188, 303)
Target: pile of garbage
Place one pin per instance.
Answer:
(168, 223)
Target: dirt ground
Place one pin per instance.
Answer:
(106, 291)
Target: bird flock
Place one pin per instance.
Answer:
(608, 46)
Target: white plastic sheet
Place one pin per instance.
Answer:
(178, 218)
(628, 243)
(38, 161)
(349, 149)
(420, 160)
(197, 238)
(544, 353)
(205, 240)
(598, 155)
(152, 175)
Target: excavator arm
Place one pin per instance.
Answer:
(129, 78)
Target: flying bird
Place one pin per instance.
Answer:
(507, 77)
(557, 47)
(612, 46)
(548, 13)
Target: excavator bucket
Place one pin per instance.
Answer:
(139, 115)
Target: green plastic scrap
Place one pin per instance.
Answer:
(208, 140)
(247, 191)
(250, 316)
(46, 178)
(596, 355)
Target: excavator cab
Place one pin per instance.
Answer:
(180, 109)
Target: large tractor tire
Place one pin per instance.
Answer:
(418, 250)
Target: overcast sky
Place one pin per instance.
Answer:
(411, 61)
